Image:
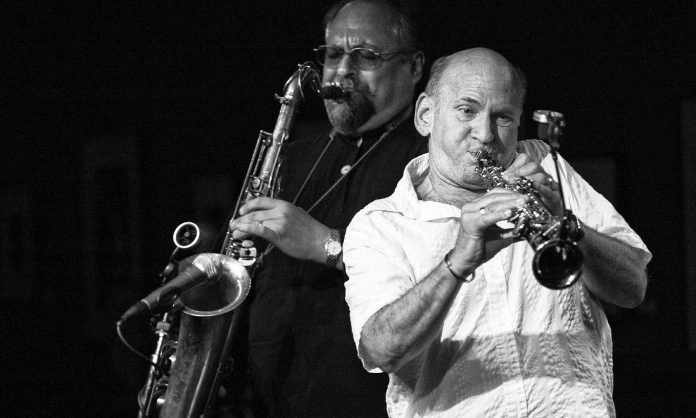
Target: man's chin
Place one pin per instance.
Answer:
(345, 120)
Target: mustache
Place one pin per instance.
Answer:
(334, 92)
(350, 86)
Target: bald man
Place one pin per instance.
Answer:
(446, 302)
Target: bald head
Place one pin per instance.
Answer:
(481, 60)
(402, 17)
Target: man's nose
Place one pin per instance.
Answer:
(345, 65)
(482, 129)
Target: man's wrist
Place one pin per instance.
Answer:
(459, 276)
(333, 247)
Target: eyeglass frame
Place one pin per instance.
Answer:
(379, 55)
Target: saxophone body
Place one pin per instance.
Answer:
(557, 262)
(209, 320)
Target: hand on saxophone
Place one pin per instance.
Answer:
(544, 184)
(479, 238)
(286, 226)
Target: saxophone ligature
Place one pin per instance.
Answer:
(557, 262)
(217, 284)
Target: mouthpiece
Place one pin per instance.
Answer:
(334, 92)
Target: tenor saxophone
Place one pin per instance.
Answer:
(208, 322)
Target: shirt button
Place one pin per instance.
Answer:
(345, 169)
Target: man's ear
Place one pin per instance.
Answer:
(423, 116)
(417, 63)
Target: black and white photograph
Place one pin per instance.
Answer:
(348, 208)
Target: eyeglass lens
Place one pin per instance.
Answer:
(362, 58)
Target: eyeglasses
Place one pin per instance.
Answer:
(362, 58)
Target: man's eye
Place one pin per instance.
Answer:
(467, 112)
(366, 54)
(504, 121)
(332, 53)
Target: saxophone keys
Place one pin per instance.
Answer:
(521, 224)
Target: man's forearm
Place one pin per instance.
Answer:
(399, 331)
(614, 271)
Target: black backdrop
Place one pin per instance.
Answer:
(122, 119)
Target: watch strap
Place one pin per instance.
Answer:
(335, 236)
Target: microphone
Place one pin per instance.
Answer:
(334, 92)
(163, 297)
(550, 126)
(186, 238)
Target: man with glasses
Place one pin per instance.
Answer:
(301, 357)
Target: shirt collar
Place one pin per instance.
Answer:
(407, 200)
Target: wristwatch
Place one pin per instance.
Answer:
(333, 247)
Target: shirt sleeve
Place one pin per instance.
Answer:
(593, 209)
(376, 269)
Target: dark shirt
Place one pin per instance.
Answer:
(302, 357)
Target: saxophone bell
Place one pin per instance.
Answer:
(557, 263)
(226, 286)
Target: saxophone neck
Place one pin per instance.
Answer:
(294, 87)
(490, 173)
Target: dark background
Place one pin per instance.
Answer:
(121, 120)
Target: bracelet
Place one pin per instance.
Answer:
(449, 267)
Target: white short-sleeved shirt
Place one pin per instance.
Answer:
(509, 347)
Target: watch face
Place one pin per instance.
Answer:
(333, 247)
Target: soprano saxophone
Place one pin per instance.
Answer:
(557, 262)
(208, 323)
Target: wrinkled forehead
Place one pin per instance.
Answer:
(362, 24)
(484, 76)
